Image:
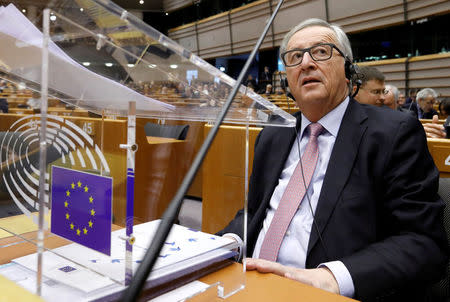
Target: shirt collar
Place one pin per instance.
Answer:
(331, 121)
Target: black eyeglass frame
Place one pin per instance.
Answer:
(307, 50)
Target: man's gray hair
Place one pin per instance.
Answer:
(394, 91)
(426, 92)
(342, 40)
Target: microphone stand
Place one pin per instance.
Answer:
(169, 216)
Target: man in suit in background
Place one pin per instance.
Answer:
(426, 99)
(372, 89)
(370, 224)
(3, 101)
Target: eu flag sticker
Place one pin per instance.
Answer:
(81, 208)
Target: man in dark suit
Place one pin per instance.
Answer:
(426, 99)
(372, 89)
(3, 101)
(370, 224)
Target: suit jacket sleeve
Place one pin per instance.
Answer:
(411, 248)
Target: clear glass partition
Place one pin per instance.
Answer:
(124, 110)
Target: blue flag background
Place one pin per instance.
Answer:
(81, 208)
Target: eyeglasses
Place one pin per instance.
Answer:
(429, 102)
(319, 52)
(378, 91)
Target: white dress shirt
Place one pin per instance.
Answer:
(294, 247)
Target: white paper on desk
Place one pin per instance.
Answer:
(51, 290)
(181, 293)
(21, 55)
(184, 248)
(182, 244)
(79, 278)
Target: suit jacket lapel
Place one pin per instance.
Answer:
(340, 166)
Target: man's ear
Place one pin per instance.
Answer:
(353, 92)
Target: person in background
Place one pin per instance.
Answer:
(268, 89)
(265, 78)
(434, 129)
(412, 97)
(391, 97)
(411, 102)
(401, 99)
(372, 90)
(444, 107)
(35, 101)
(251, 83)
(426, 99)
(3, 102)
(391, 100)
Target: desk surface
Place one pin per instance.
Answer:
(153, 140)
(259, 287)
(270, 287)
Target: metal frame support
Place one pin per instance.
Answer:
(131, 148)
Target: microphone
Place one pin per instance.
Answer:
(169, 216)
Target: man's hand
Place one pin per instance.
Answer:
(318, 277)
(434, 129)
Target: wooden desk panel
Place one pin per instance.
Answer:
(161, 167)
(223, 176)
(440, 151)
(426, 121)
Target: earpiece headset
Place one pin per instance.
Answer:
(352, 73)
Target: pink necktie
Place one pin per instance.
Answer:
(292, 197)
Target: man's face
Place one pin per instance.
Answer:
(401, 99)
(389, 100)
(427, 103)
(317, 86)
(372, 93)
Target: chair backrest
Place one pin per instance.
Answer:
(170, 131)
(440, 291)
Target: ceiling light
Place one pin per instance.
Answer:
(167, 14)
(151, 65)
(222, 68)
(141, 1)
(24, 11)
(108, 64)
(173, 66)
(53, 17)
(81, 9)
(130, 65)
(86, 63)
